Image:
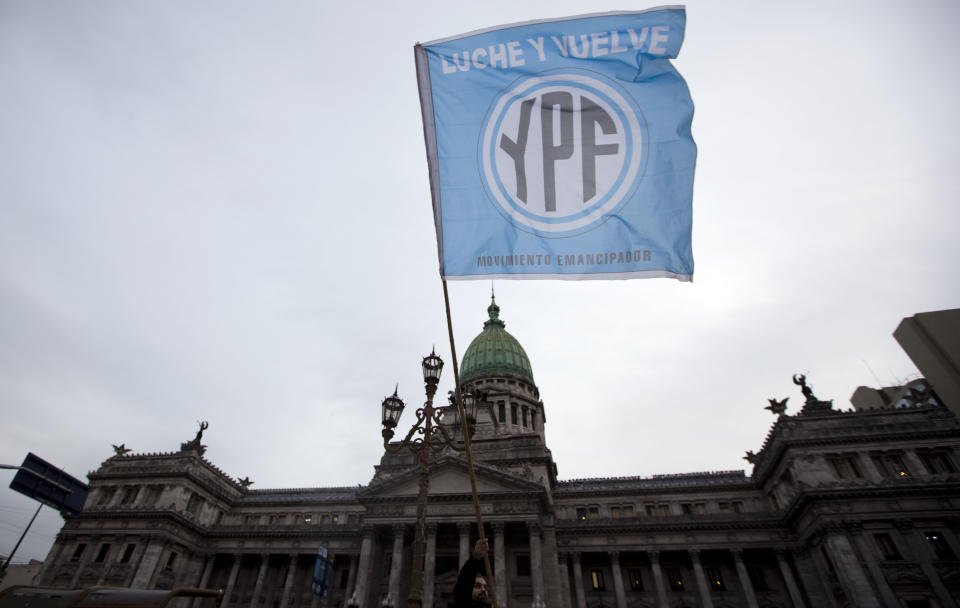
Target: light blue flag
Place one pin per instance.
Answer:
(561, 149)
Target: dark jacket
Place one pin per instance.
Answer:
(463, 590)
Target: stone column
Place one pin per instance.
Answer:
(744, 577)
(795, 596)
(578, 581)
(363, 572)
(396, 563)
(429, 568)
(950, 534)
(500, 565)
(258, 587)
(869, 558)
(205, 578)
(705, 600)
(924, 554)
(814, 577)
(658, 579)
(464, 530)
(161, 562)
(536, 560)
(565, 599)
(914, 463)
(82, 563)
(207, 571)
(107, 562)
(351, 576)
(869, 467)
(551, 572)
(231, 581)
(618, 579)
(45, 577)
(148, 564)
(288, 584)
(847, 567)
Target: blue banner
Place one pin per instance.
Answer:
(322, 572)
(561, 149)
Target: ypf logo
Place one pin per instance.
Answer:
(560, 151)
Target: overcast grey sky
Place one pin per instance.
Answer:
(220, 211)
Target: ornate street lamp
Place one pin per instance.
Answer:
(425, 437)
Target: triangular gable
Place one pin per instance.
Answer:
(450, 476)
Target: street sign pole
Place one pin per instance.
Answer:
(3, 568)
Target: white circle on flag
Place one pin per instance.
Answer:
(561, 151)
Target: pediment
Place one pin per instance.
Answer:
(449, 475)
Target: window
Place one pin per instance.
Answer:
(937, 461)
(690, 508)
(513, 414)
(106, 495)
(939, 545)
(335, 518)
(886, 546)
(636, 580)
(251, 520)
(621, 511)
(715, 580)
(501, 411)
(585, 513)
(890, 464)
(533, 420)
(78, 552)
(523, 565)
(128, 553)
(731, 505)
(193, 505)
(845, 466)
(171, 560)
(307, 518)
(129, 495)
(758, 579)
(675, 579)
(596, 580)
(657, 510)
(102, 553)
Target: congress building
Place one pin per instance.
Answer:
(841, 508)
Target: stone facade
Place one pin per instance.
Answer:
(855, 508)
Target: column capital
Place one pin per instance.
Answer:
(654, 556)
(782, 551)
(498, 527)
(432, 528)
(533, 525)
(853, 527)
(366, 529)
(694, 554)
(614, 556)
(903, 526)
(576, 556)
(737, 553)
(399, 528)
(294, 556)
(464, 527)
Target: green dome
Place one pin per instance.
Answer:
(495, 352)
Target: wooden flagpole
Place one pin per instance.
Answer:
(466, 445)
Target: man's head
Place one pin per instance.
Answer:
(480, 590)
